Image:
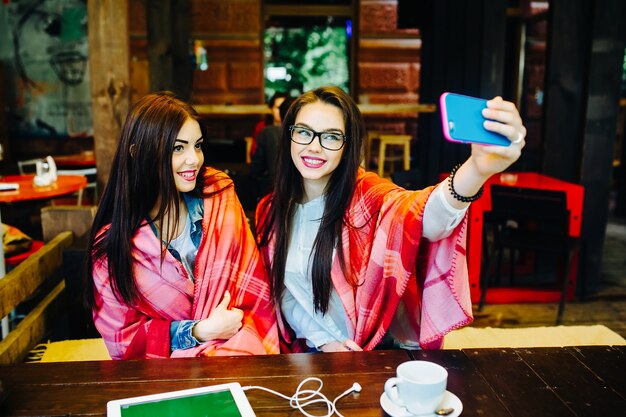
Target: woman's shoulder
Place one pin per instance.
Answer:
(144, 227)
(370, 186)
(373, 194)
(215, 180)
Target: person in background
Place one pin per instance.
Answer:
(263, 164)
(356, 262)
(271, 119)
(173, 268)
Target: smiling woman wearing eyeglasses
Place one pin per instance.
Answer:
(355, 261)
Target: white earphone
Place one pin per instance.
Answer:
(312, 397)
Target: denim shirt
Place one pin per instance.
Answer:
(181, 330)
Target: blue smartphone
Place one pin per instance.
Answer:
(462, 120)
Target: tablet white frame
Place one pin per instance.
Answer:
(114, 406)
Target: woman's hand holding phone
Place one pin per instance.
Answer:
(493, 127)
(491, 121)
(502, 118)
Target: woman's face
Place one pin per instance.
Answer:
(187, 158)
(315, 163)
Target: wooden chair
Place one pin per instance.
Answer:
(92, 182)
(530, 220)
(77, 220)
(41, 272)
(27, 166)
(386, 140)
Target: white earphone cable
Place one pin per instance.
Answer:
(310, 396)
(356, 387)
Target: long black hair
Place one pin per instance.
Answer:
(289, 191)
(141, 177)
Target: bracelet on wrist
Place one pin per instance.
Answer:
(458, 196)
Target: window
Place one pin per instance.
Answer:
(302, 53)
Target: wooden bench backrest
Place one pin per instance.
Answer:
(77, 219)
(19, 284)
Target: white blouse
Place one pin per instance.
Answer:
(297, 307)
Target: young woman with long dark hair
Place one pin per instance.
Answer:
(355, 261)
(174, 269)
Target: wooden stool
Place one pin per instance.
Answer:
(387, 140)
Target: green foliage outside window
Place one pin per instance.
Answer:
(298, 59)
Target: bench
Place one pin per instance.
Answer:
(39, 273)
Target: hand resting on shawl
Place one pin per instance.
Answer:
(347, 345)
(222, 323)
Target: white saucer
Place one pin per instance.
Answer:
(394, 410)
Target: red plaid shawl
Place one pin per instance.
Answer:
(227, 259)
(383, 246)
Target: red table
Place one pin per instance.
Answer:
(65, 184)
(574, 194)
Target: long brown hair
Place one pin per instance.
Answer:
(141, 176)
(289, 191)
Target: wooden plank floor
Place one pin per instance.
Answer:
(607, 306)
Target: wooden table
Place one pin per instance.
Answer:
(572, 381)
(574, 194)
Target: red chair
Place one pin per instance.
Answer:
(13, 261)
(530, 220)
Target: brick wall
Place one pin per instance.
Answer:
(387, 67)
(388, 64)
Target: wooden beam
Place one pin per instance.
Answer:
(602, 97)
(220, 110)
(308, 10)
(22, 281)
(19, 284)
(33, 328)
(493, 49)
(459, 53)
(169, 29)
(569, 35)
(110, 77)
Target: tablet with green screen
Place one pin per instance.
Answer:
(227, 400)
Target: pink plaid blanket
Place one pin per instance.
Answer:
(394, 267)
(228, 259)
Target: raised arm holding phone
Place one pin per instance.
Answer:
(355, 261)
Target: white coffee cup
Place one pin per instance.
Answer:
(419, 386)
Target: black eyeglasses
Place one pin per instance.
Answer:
(329, 140)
